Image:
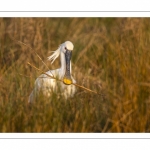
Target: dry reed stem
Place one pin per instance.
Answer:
(34, 52)
(24, 75)
(89, 90)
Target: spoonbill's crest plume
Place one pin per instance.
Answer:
(54, 55)
(47, 85)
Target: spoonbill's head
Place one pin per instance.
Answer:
(67, 50)
(69, 45)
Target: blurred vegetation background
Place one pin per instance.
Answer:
(111, 56)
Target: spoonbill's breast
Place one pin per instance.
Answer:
(47, 85)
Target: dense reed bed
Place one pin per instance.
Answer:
(110, 56)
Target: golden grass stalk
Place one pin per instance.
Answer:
(24, 75)
(82, 87)
(33, 51)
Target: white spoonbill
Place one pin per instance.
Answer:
(46, 85)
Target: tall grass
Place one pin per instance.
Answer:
(111, 56)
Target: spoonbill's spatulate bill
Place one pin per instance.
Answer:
(47, 85)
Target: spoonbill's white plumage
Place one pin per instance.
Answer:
(46, 85)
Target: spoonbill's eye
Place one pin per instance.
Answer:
(65, 50)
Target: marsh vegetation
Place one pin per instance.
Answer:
(110, 56)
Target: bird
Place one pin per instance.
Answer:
(47, 85)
